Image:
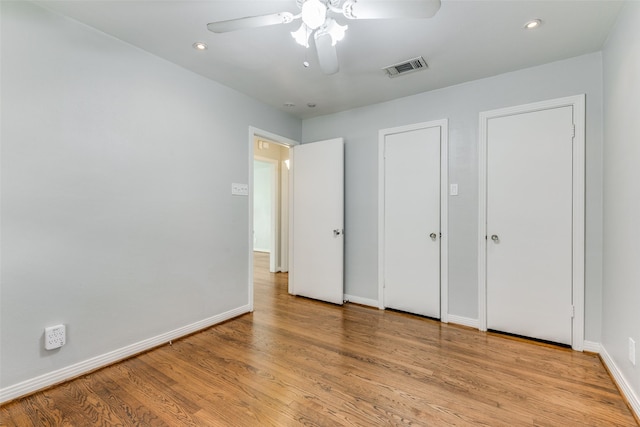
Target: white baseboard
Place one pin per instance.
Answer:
(591, 346)
(75, 370)
(464, 321)
(361, 301)
(621, 381)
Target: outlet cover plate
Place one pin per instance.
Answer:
(54, 337)
(632, 351)
(239, 189)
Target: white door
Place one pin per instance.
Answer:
(529, 224)
(316, 268)
(412, 221)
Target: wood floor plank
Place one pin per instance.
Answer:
(296, 361)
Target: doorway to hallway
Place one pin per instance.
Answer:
(272, 256)
(271, 202)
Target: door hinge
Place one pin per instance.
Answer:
(573, 311)
(573, 132)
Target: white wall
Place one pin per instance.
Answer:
(461, 105)
(621, 288)
(117, 214)
(263, 181)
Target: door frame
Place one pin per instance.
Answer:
(578, 205)
(255, 132)
(444, 185)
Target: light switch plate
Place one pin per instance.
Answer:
(453, 190)
(239, 189)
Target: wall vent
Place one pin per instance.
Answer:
(405, 67)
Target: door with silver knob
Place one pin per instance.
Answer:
(411, 217)
(529, 203)
(316, 268)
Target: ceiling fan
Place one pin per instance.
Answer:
(326, 31)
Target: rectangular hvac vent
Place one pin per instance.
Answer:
(415, 64)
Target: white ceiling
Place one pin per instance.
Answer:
(466, 40)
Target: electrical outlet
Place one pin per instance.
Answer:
(239, 189)
(632, 351)
(54, 337)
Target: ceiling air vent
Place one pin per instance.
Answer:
(415, 64)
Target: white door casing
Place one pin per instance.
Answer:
(531, 220)
(413, 219)
(317, 218)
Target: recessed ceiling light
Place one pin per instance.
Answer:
(200, 46)
(311, 104)
(289, 104)
(534, 23)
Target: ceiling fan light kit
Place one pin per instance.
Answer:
(333, 29)
(301, 35)
(314, 13)
(327, 32)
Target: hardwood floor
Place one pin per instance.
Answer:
(296, 361)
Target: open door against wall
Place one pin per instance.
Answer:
(317, 221)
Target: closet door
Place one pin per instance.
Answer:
(412, 221)
(529, 224)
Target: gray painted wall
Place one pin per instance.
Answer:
(621, 288)
(117, 214)
(461, 105)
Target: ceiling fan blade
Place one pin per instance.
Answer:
(327, 54)
(390, 9)
(250, 22)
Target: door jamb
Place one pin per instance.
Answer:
(578, 279)
(255, 132)
(444, 184)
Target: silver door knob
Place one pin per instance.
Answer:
(338, 232)
(495, 238)
(433, 236)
